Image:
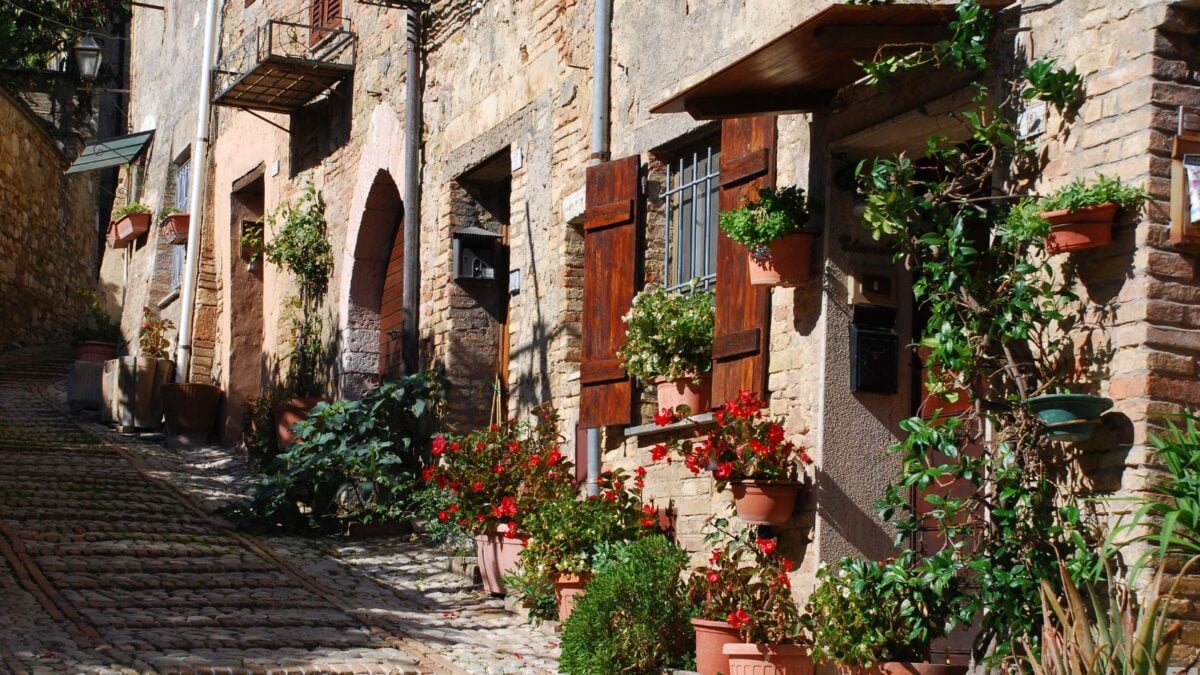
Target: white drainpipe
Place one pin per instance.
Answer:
(183, 355)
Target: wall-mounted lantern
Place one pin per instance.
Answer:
(477, 254)
(87, 57)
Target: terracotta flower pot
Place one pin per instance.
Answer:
(93, 351)
(788, 264)
(752, 659)
(1080, 230)
(764, 502)
(904, 668)
(128, 228)
(566, 588)
(175, 228)
(674, 393)
(711, 638)
(497, 555)
(190, 411)
(290, 412)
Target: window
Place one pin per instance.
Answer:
(690, 199)
(183, 184)
(178, 258)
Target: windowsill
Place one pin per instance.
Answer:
(171, 297)
(652, 428)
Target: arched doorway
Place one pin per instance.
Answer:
(372, 336)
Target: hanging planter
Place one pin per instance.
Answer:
(175, 227)
(711, 638)
(755, 659)
(1080, 215)
(764, 502)
(129, 223)
(1079, 230)
(695, 394)
(783, 262)
(1069, 417)
(780, 253)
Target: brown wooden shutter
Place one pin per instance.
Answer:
(742, 333)
(333, 13)
(323, 14)
(612, 234)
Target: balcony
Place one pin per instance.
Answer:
(282, 66)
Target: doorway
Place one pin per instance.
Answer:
(247, 363)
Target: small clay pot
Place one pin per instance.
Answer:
(1080, 230)
(685, 391)
(764, 502)
(566, 588)
(788, 264)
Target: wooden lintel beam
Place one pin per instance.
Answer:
(868, 39)
(750, 105)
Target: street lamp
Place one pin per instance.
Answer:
(87, 57)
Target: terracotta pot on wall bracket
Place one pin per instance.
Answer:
(290, 412)
(764, 502)
(497, 555)
(567, 587)
(1069, 417)
(711, 638)
(94, 351)
(685, 391)
(788, 264)
(175, 228)
(752, 659)
(1080, 230)
(128, 228)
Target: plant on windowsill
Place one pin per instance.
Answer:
(251, 244)
(668, 341)
(97, 337)
(883, 616)
(128, 223)
(747, 453)
(771, 227)
(173, 224)
(1080, 216)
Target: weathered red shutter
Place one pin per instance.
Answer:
(333, 13)
(742, 333)
(316, 19)
(612, 234)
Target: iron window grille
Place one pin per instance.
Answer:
(690, 199)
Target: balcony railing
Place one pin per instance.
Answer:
(281, 66)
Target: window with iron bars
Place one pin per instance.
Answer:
(183, 176)
(690, 201)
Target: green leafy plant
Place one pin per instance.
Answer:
(1057, 86)
(864, 612)
(355, 461)
(131, 208)
(1079, 195)
(741, 445)
(252, 241)
(500, 475)
(259, 436)
(168, 211)
(431, 503)
(668, 335)
(633, 617)
(152, 335)
(96, 325)
(775, 213)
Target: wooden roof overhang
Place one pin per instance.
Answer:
(803, 69)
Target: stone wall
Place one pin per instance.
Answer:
(48, 240)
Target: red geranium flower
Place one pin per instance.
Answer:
(738, 618)
(664, 417)
(554, 457)
(767, 546)
(439, 445)
(443, 516)
(723, 471)
(427, 473)
(712, 577)
(477, 486)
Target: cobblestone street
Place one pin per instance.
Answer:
(111, 562)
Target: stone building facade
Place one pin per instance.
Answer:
(507, 107)
(48, 241)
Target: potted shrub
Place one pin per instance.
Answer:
(301, 247)
(97, 337)
(497, 477)
(173, 224)
(668, 341)
(1080, 216)
(564, 536)
(128, 223)
(138, 380)
(771, 227)
(747, 453)
(881, 617)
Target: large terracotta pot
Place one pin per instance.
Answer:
(290, 412)
(711, 638)
(190, 411)
(94, 351)
(566, 588)
(128, 228)
(497, 555)
(904, 668)
(175, 227)
(764, 502)
(1079, 230)
(751, 659)
(788, 264)
(674, 393)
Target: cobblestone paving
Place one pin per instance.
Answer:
(195, 593)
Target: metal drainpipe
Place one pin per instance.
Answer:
(412, 195)
(183, 354)
(601, 101)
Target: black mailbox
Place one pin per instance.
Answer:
(477, 254)
(874, 350)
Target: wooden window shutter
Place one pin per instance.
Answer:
(612, 235)
(743, 321)
(323, 14)
(333, 13)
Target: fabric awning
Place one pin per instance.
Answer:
(802, 70)
(111, 152)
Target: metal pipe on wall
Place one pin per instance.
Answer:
(183, 353)
(601, 102)
(411, 300)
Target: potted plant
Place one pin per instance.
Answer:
(173, 223)
(1080, 216)
(564, 535)
(128, 223)
(771, 227)
(301, 246)
(748, 580)
(251, 243)
(97, 337)
(747, 453)
(668, 341)
(497, 477)
(882, 616)
(137, 380)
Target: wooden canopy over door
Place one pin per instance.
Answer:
(612, 234)
(742, 332)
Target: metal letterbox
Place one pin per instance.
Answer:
(477, 254)
(874, 350)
